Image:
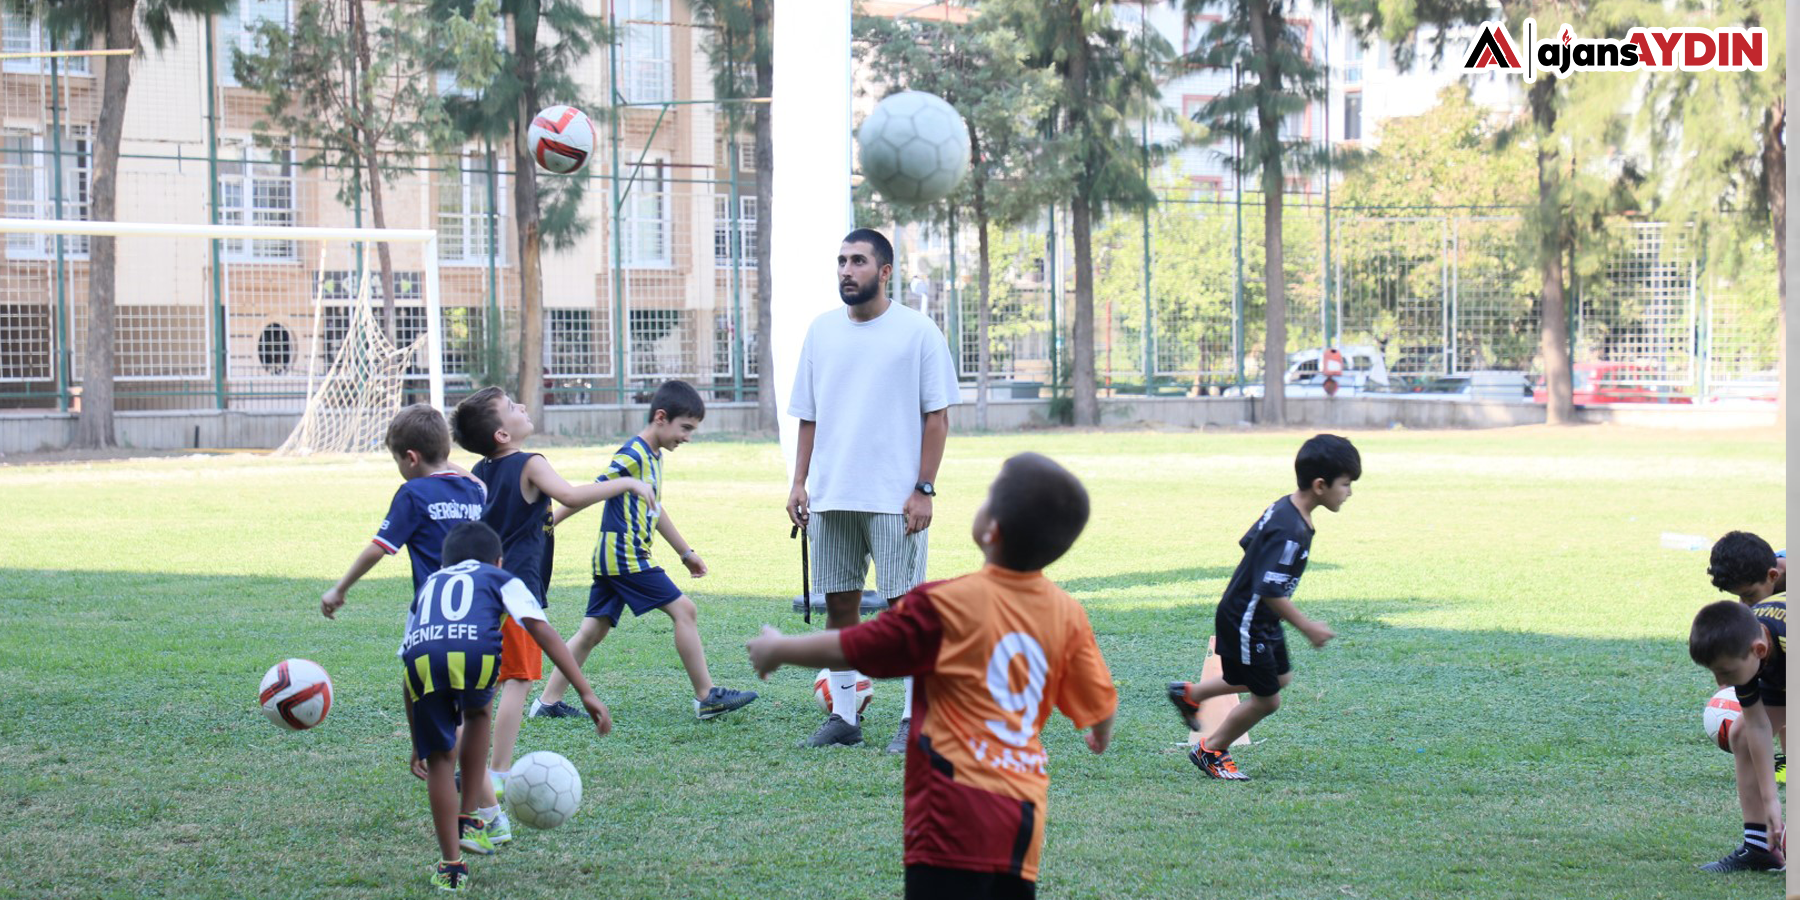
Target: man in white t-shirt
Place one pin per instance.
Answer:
(873, 394)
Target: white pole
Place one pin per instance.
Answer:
(811, 130)
(434, 323)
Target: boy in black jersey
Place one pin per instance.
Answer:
(1251, 644)
(1745, 566)
(1746, 647)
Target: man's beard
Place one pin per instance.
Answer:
(861, 296)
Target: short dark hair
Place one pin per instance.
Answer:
(475, 421)
(421, 429)
(1723, 630)
(1738, 559)
(1326, 456)
(884, 251)
(677, 398)
(1040, 507)
(471, 540)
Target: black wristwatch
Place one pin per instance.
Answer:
(926, 488)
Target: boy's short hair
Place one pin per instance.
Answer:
(421, 429)
(1739, 559)
(1326, 456)
(471, 540)
(1040, 507)
(475, 421)
(1723, 630)
(884, 250)
(677, 398)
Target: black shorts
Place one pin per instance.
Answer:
(1267, 662)
(436, 716)
(939, 883)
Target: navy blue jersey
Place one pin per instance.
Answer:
(628, 522)
(1275, 551)
(1772, 677)
(423, 511)
(453, 631)
(524, 528)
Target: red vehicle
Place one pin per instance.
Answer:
(1615, 382)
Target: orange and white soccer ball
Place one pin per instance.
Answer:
(296, 694)
(865, 691)
(1721, 715)
(561, 139)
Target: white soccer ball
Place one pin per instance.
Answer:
(1721, 715)
(865, 691)
(543, 790)
(295, 694)
(561, 139)
(915, 148)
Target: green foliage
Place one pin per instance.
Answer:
(1296, 80)
(72, 22)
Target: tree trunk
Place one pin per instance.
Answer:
(983, 361)
(1274, 406)
(363, 105)
(525, 210)
(762, 18)
(1553, 344)
(95, 427)
(1083, 391)
(1775, 180)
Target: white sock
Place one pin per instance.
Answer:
(497, 776)
(488, 814)
(843, 693)
(906, 710)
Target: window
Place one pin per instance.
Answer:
(747, 154)
(646, 66)
(275, 349)
(19, 34)
(1293, 126)
(237, 30)
(462, 211)
(746, 232)
(1353, 60)
(256, 187)
(656, 342)
(571, 342)
(647, 226)
(1352, 117)
(30, 179)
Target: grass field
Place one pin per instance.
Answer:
(1508, 710)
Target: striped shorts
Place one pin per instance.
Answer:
(844, 541)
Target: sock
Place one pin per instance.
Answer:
(498, 776)
(843, 694)
(906, 710)
(488, 814)
(1756, 834)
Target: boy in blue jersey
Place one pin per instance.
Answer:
(449, 658)
(1745, 647)
(1247, 625)
(520, 486)
(436, 496)
(624, 575)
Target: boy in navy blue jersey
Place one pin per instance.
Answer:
(520, 486)
(1745, 647)
(1745, 566)
(435, 497)
(449, 658)
(1251, 644)
(625, 577)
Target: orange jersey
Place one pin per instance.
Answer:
(991, 653)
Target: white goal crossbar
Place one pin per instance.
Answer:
(434, 345)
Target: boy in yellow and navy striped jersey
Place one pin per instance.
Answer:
(624, 574)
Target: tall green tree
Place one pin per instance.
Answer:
(1015, 173)
(1280, 78)
(117, 23)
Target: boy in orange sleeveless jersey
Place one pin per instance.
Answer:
(991, 653)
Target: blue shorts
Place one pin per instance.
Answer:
(642, 591)
(437, 715)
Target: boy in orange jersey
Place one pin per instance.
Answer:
(991, 653)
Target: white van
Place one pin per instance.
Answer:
(1364, 370)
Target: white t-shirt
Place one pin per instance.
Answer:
(868, 385)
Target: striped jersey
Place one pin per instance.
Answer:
(453, 630)
(628, 522)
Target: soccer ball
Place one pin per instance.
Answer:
(561, 139)
(915, 148)
(1722, 712)
(865, 691)
(295, 694)
(543, 789)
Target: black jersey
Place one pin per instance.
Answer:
(1275, 551)
(1771, 680)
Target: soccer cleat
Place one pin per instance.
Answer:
(1216, 764)
(451, 876)
(1748, 859)
(561, 709)
(720, 701)
(1781, 768)
(472, 835)
(1188, 710)
(835, 732)
(902, 737)
(499, 829)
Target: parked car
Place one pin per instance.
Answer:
(1615, 382)
(1364, 371)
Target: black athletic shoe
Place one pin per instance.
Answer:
(720, 701)
(834, 733)
(1188, 710)
(1748, 859)
(902, 737)
(561, 709)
